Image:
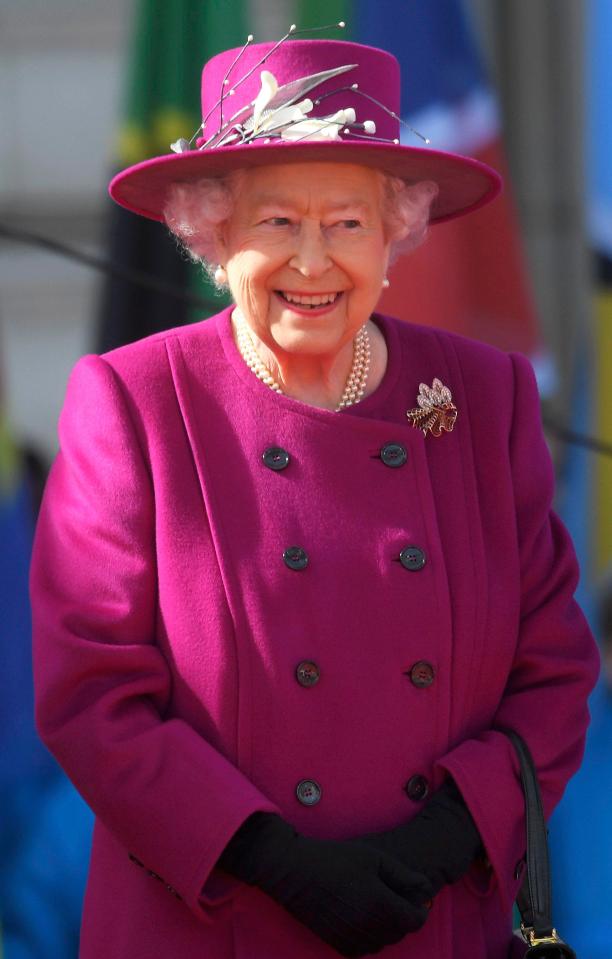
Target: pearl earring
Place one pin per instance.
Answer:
(386, 284)
(220, 275)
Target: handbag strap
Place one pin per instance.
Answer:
(534, 898)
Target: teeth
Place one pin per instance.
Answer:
(318, 299)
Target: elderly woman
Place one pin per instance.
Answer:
(296, 565)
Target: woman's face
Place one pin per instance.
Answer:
(305, 253)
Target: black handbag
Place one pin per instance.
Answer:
(534, 899)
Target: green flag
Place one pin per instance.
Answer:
(318, 13)
(170, 44)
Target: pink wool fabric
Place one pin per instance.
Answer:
(167, 630)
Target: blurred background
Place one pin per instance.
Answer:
(90, 86)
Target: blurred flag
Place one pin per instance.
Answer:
(470, 276)
(24, 763)
(599, 139)
(582, 845)
(20, 751)
(171, 42)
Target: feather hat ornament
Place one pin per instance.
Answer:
(299, 100)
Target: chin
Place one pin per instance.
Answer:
(307, 341)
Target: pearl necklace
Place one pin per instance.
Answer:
(357, 378)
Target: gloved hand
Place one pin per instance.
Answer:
(355, 898)
(441, 841)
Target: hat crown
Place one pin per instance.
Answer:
(351, 115)
(375, 71)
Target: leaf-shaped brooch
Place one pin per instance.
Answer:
(436, 410)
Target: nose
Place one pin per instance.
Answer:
(310, 257)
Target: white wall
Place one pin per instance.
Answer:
(61, 66)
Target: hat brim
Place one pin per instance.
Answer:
(465, 184)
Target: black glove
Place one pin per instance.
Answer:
(352, 896)
(441, 841)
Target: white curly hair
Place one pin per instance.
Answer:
(194, 212)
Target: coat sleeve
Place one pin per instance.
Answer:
(554, 669)
(102, 684)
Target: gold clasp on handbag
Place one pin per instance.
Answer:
(528, 934)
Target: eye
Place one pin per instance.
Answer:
(351, 224)
(278, 221)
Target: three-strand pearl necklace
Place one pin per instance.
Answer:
(357, 378)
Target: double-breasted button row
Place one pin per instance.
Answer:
(421, 675)
(307, 673)
(412, 558)
(393, 455)
(308, 792)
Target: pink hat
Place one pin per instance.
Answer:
(304, 100)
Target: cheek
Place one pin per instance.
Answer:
(371, 251)
(247, 273)
(368, 268)
(257, 264)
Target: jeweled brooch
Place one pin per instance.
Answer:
(436, 410)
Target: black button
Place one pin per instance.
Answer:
(308, 792)
(276, 458)
(416, 788)
(412, 558)
(295, 557)
(307, 673)
(393, 455)
(421, 674)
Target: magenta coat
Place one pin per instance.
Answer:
(168, 630)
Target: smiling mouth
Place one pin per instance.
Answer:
(309, 301)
